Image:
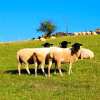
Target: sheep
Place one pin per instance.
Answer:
(44, 56)
(93, 33)
(41, 56)
(53, 37)
(66, 55)
(42, 39)
(86, 53)
(26, 56)
(47, 44)
(83, 33)
(75, 33)
(64, 44)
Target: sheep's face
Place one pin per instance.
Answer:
(75, 48)
(47, 44)
(64, 44)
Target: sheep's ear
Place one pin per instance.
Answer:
(76, 44)
(51, 44)
(69, 42)
(80, 44)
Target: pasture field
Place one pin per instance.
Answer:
(82, 84)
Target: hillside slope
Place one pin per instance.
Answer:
(83, 84)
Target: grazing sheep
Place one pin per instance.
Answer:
(85, 53)
(75, 33)
(83, 33)
(53, 37)
(42, 39)
(93, 33)
(66, 55)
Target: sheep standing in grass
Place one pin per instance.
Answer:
(25, 56)
(66, 55)
(43, 57)
(86, 53)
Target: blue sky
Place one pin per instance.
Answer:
(19, 19)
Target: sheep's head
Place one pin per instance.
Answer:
(76, 47)
(64, 44)
(47, 44)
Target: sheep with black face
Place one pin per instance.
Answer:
(67, 55)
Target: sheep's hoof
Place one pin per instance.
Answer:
(35, 75)
(61, 75)
(29, 73)
(69, 73)
(55, 73)
(19, 74)
(45, 75)
(49, 76)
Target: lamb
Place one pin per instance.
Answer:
(86, 53)
(66, 55)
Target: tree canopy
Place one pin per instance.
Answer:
(47, 27)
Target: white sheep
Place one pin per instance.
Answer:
(93, 33)
(66, 55)
(86, 53)
(27, 57)
(41, 56)
(83, 33)
(53, 37)
(42, 39)
(75, 33)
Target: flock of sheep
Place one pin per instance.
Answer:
(52, 54)
(85, 33)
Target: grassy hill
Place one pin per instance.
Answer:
(82, 84)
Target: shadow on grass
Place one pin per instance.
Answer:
(32, 71)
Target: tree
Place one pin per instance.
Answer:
(47, 27)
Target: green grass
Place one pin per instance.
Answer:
(82, 84)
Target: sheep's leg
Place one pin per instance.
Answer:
(27, 69)
(59, 68)
(42, 68)
(55, 68)
(19, 71)
(70, 69)
(35, 68)
(49, 67)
